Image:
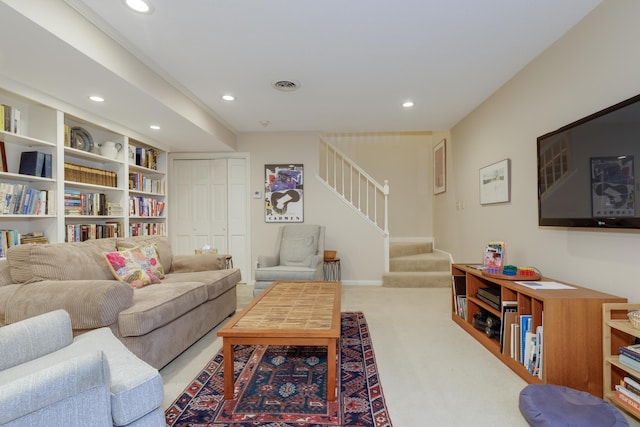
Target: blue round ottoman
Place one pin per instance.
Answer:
(547, 405)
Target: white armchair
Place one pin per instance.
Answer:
(49, 378)
(298, 256)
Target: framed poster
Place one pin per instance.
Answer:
(283, 193)
(440, 167)
(495, 185)
(612, 186)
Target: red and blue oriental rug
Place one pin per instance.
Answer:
(285, 386)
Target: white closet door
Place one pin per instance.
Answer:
(192, 210)
(210, 206)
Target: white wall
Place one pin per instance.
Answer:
(359, 245)
(593, 66)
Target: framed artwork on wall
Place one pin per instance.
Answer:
(495, 183)
(284, 193)
(440, 167)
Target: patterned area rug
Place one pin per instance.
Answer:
(286, 387)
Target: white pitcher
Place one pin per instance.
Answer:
(110, 149)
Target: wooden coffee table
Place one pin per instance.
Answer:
(287, 313)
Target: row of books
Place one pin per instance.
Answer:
(459, 283)
(520, 340)
(9, 118)
(139, 182)
(77, 203)
(145, 157)
(82, 232)
(10, 237)
(628, 391)
(20, 199)
(147, 229)
(145, 206)
(88, 175)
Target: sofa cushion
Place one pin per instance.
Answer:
(137, 266)
(60, 261)
(5, 274)
(90, 303)
(157, 305)
(298, 245)
(5, 293)
(216, 282)
(161, 242)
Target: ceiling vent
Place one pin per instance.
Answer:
(286, 85)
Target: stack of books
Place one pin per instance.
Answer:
(628, 391)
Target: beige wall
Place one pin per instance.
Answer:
(592, 67)
(359, 245)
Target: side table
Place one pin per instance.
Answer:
(332, 270)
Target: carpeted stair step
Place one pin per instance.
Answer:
(417, 279)
(415, 265)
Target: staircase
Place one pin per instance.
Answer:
(415, 265)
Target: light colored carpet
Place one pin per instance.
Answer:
(432, 372)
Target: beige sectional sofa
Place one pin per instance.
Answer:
(156, 322)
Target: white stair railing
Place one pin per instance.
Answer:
(356, 188)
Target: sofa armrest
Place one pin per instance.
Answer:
(267, 261)
(35, 337)
(86, 375)
(90, 303)
(193, 263)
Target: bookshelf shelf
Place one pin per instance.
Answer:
(35, 126)
(617, 332)
(571, 320)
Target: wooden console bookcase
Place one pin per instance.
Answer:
(572, 337)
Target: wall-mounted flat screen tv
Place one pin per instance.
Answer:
(588, 170)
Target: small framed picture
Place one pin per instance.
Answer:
(3, 166)
(440, 167)
(495, 185)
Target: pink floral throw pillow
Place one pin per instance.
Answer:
(137, 266)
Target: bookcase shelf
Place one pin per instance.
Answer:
(617, 332)
(571, 320)
(40, 127)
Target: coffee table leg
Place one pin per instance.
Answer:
(332, 363)
(227, 355)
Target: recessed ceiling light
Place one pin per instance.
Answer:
(140, 6)
(96, 98)
(407, 104)
(228, 97)
(155, 127)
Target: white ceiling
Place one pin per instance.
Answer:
(356, 61)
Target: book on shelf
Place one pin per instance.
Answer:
(630, 353)
(47, 167)
(494, 255)
(525, 326)
(131, 154)
(11, 118)
(31, 163)
(629, 362)
(515, 341)
(631, 384)
(630, 399)
(509, 313)
(459, 288)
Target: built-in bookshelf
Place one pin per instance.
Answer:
(79, 172)
(618, 332)
(570, 321)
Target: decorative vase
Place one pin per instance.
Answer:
(110, 149)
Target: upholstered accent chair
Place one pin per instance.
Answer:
(298, 256)
(50, 378)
